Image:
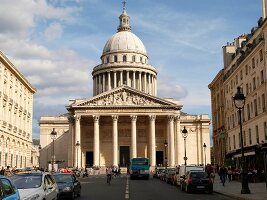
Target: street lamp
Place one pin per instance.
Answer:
(239, 101)
(53, 135)
(165, 145)
(185, 134)
(77, 146)
(204, 146)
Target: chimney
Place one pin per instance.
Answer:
(264, 9)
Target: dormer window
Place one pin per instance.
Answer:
(115, 59)
(124, 58)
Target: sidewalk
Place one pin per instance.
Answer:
(233, 189)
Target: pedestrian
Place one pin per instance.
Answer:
(229, 173)
(223, 174)
(8, 171)
(2, 172)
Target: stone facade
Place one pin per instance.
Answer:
(125, 119)
(16, 107)
(245, 67)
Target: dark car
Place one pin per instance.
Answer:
(197, 181)
(68, 185)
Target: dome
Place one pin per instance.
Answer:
(124, 41)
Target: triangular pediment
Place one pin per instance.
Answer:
(123, 96)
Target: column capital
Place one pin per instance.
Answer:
(71, 119)
(133, 117)
(96, 118)
(152, 117)
(77, 117)
(170, 118)
(177, 117)
(115, 117)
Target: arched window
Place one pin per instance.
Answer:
(133, 58)
(141, 59)
(115, 59)
(124, 58)
(108, 59)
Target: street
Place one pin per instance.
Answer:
(121, 188)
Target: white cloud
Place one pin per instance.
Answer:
(53, 31)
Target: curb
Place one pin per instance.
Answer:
(232, 196)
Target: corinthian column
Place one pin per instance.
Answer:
(115, 139)
(171, 139)
(78, 139)
(109, 82)
(133, 138)
(96, 140)
(134, 80)
(115, 79)
(152, 140)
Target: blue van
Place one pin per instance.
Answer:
(8, 190)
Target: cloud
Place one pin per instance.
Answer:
(53, 31)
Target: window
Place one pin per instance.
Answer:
(248, 111)
(262, 77)
(241, 75)
(246, 69)
(249, 136)
(108, 59)
(244, 138)
(7, 187)
(265, 130)
(115, 59)
(234, 141)
(254, 83)
(261, 55)
(263, 102)
(141, 59)
(236, 80)
(255, 107)
(257, 134)
(247, 89)
(124, 58)
(133, 58)
(253, 63)
(229, 143)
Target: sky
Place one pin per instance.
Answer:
(55, 44)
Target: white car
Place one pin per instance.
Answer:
(36, 186)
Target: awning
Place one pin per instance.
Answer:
(245, 154)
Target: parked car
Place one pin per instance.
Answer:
(36, 185)
(170, 172)
(158, 171)
(184, 169)
(68, 185)
(8, 190)
(197, 181)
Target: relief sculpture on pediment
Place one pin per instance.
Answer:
(123, 98)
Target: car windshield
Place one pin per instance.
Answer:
(63, 178)
(24, 181)
(199, 175)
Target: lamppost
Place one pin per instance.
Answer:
(185, 134)
(77, 146)
(239, 101)
(204, 146)
(53, 135)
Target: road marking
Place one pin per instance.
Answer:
(127, 189)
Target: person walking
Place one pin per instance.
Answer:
(223, 174)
